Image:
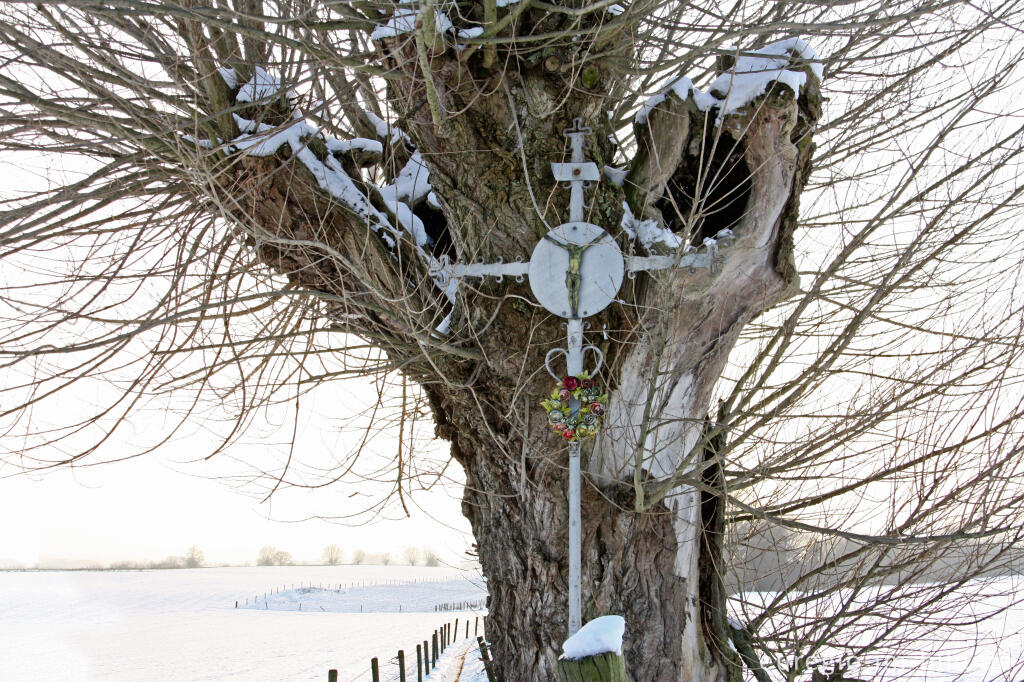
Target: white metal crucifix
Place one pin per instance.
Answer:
(576, 271)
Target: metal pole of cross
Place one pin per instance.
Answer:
(575, 272)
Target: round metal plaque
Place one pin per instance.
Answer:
(576, 270)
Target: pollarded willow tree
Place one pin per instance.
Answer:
(271, 195)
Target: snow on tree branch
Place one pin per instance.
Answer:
(411, 185)
(783, 62)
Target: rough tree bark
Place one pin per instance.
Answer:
(648, 532)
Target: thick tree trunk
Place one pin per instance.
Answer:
(522, 538)
(630, 568)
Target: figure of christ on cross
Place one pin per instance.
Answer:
(573, 278)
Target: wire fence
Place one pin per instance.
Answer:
(474, 605)
(428, 653)
(338, 588)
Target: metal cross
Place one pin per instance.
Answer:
(575, 271)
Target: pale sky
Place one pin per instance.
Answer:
(159, 504)
(147, 508)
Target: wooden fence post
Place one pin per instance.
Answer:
(374, 670)
(486, 658)
(332, 676)
(426, 658)
(455, 632)
(433, 653)
(401, 665)
(606, 667)
(419, 664)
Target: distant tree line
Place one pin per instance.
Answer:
(272, 556)
(333, 555)
(269, 555)
(412, 556)
(193, 558)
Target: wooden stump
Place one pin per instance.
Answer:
(606, 667)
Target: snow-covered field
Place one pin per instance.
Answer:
(181, 625)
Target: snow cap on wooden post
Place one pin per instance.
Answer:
(594, 652)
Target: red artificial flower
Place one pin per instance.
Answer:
(571, 383)
(564, 394)
(568, 434)
(560, 426)
(597, 408)
(587, 383)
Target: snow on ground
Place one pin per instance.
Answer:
(460, 662)
(120, 626)
(181, 625)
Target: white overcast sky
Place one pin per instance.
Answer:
(159, 504)
(147, 508)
